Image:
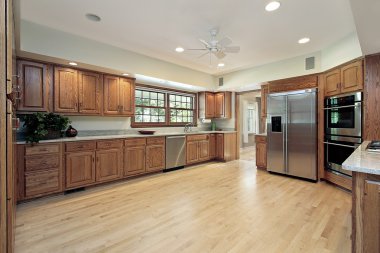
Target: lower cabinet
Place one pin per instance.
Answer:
(134, 160)
(192, 152)
(261, 151)
(197, 148)
(204, 150)
(155, 154)
(219, 147)
(212, 151)
(108, 165)
(80, 169)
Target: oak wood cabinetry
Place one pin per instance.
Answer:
(263, 112)
(261, 151)
(34, 84)
(197, 148)
(226, 146)
(212, 151)
(65, 90)
(90, 93)
(155, 154)
(119, 96)
(39, 170)
(134, 156)
(215, 105)
(365, 213)
(80, 164)
(109, 160)
(219, 154)
(347, 78)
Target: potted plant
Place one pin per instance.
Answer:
(41, 126)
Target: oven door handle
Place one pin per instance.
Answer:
(343, 106)
(341, 145)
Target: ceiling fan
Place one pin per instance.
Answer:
(217, 47)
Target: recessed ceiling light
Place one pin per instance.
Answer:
(179, 49)
(221, 64)
(125, 74)
(73, 63)
(303, 40)
(272, 6)
(93, 17)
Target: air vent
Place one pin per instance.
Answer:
(310, 63)
(221, 81)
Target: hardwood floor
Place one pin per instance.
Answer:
(216, 207)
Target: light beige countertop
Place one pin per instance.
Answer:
(262, 134)
(125, 136)
(363, 161)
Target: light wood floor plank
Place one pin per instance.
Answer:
(215, 207)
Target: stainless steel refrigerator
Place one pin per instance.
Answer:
(292, 133)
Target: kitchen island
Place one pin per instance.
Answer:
(365, 167)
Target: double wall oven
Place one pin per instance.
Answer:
(343, 129)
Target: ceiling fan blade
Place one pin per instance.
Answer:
(220, 54)
(233, 49)
(205, 43)
(203, 55)
(197, 49)
(225, 42)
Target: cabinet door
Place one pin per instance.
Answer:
(212, 146)
(127, 97)
(155, 158)
(220, 146)
(65, 90)
(332, 82)
(80, 169)
(42, 182)
(34, 86)
(219, 105)
(111, 95)
(352, 77)
(192, 152)
(371, 216)
(210, 105)
(203, 149)
(134, 160)
(89, 93)
(261, 154)
(108, 164)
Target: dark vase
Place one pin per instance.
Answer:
(71, 132)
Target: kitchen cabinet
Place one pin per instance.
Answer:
(109, 160)
(261, 152)
(155, 154)
(80, 169)
(65, 90)
(226, 146)
(34, 84)
(366, 213)
(212, 151)
(39, 170)
(263, 113)
(197, 148)
(348, 78)
(134, 156)
(215, 105)
(119, 96)
(219, 146)
(90, 93)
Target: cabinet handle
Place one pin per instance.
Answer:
(93, 159)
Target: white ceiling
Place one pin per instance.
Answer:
(155, 28)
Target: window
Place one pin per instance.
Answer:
(250, 120)
(163, 108)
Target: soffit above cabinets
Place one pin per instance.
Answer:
(156, 28)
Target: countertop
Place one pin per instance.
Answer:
(262, 134)
(103, 137)
(363, 161)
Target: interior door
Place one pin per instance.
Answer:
(302, 135)
(276, 133)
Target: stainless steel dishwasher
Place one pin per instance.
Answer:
(175, 151)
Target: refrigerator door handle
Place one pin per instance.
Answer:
(286, 135)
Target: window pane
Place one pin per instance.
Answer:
(138, 118)
(145, 94)
(146, 111)
(161, 119)
(161, 96)
(145, 102)
(161, 103)
(138, 101)
(138, 93)
(154, 111)
(139, 110)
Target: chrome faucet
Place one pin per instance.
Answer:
(188, 127)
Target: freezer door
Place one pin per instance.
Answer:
(302, 135)
(276, 133)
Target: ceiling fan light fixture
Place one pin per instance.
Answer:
(73, 63)
(179, 49)
(304, 40)
(272, 6)
(93, 17)
(221, 65)
(125, 74)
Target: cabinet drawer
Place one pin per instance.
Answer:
(42, 182)
(42, 162)
(110, 144)
(155, 140)
(42, 149)
(197, 137)
(135, 142)
(79, 146)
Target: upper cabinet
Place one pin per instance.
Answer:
(345, 79)
(90, 93)
(119, 96)
(215, 105)
(65, 90)
(34, 86)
